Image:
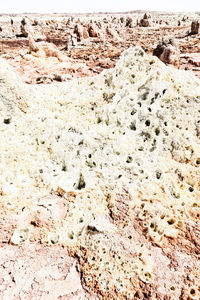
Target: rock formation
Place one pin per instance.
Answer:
(79, 32)
(27, 28)
(122, 20)
(168, 52)
(144, 22)
(100, 184)
(44, 49)
(113, 34)
(129, 22)
(110, 35)
(93, 31)
(194, 27)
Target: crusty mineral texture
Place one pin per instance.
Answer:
(99, 184)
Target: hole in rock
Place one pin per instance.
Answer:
(147, 123)
(171, 221)
(99, 120)
(132, 126)
(7, 121)
(145, 95)
(146, 135)
(129, 159)
(152, 101)
(158, 174)
(198, 161)
(157, 131)
(193, 291)
(64, 168)
(81, 183)
(141, 148)
(133, 112)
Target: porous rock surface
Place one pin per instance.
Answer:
(104, 172)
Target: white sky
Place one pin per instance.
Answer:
(65, 6)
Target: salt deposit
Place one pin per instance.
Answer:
(123, 150)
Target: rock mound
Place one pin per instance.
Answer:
(122, 151)
(194, 27)
(145, 22)
(168, 52)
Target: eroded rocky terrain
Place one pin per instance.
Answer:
(88, 44)
(99, 175)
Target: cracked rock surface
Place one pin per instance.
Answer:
(38, 272)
